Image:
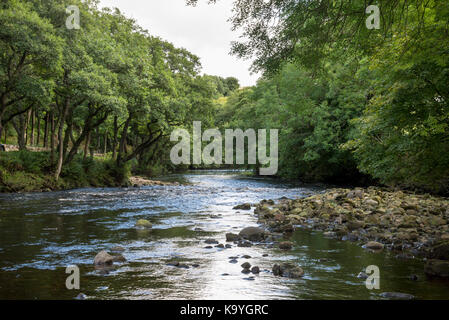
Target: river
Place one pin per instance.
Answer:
(43, 233)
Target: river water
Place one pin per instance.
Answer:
(43, 233)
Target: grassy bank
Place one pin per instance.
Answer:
(25, 171)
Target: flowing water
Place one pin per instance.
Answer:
(41, 234)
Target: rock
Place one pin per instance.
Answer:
(233, 261)
(288, 270)
(231, 237)
(440, 251)
(371, 203)
(208, 247)
(103, 259)
(246, 265)
(211, 241)
(372, 245)
(277, 270)
(117, 249)
(220, 246)
(354, 225)
(414, 277)
(437, 268)
(362, 275)
(255, 270)
(355, 194)
(286, 245)
(330, 234)
(244, 244)
(245, 206)
(142, 223)
(118, 258)
(250, 278)
(81, 296)
(437, 221)
(246, 271)
(397, 296)
(246, 257)
(252, 234)
(228, 246)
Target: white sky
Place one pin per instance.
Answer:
(203, 30)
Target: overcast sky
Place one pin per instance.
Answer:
(203, 30)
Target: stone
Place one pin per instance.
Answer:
(288, 270)
(142, 223)
(246, 265)
(231, 237)
(118, 258)
(255, 270)
(397, 296)
(371, 203)
(245, 206)
(211, 241)
(103, 259)
(354, 225)
(246, 271)
(233, 261)
(437, 268)
(372, 245)
(440, 251)
(286, 245)
(362, 275)
(244, 244)
(358, 193)
(81, 296)
(252, 234)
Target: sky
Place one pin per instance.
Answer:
(203, 30)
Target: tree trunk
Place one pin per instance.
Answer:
(86, 146)
(21, 127)
(27, 122)
(105, 143)
(52, 138)
(114, 141)
(1, 126)
(33, 120)
(62, 117)
(38, 129)
(122, 147)
(46, 130)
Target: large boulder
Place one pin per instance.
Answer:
(437, 268)
(252, 234)
(288, 270)
(103, 259)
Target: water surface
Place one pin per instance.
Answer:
(43, 233)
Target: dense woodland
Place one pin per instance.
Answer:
(352, 104)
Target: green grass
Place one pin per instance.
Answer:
(25, 171)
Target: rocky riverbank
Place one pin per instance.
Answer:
(411, 225)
